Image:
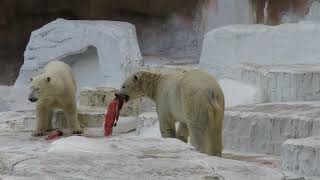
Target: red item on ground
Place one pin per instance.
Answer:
(112, 115)
(54, 135)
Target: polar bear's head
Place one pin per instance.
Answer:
(132, 87)
(40, 86)
(141, 83)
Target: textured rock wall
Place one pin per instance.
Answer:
(173, 27)
(156, 23)
(274, 12)
(164, 27)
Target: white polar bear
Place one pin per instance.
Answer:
(192, 98)
(54, 88)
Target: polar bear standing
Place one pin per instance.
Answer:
(54, 88)
(192, 98)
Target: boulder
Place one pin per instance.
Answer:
(301, 156)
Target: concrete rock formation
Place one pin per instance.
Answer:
(115, 42)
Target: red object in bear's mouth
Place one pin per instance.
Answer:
(112, 115)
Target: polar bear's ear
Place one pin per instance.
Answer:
(48, 79)
(136, 78)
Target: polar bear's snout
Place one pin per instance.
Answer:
(31, 98)
(34, 95)
(122, 96)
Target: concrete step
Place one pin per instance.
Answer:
(297, 82)
(96, 96)
(301, 156)
(167, 68)
(88, 117)
(101, 97)
(262, 128)
(278, 83)
(169, 60)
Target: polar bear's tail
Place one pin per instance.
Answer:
(215, 123)
(214, 102)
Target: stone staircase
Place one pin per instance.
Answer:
(287, 124)
(290, 130)
(276, 60)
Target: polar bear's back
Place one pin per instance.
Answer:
(198, 79)
(189, 90)
(194, 81)
(62, 71)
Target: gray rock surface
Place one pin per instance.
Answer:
(302, 156)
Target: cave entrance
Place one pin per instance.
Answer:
(86, 68)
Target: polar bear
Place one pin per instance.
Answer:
(54, 88)
(192, 98)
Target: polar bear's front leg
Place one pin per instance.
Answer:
(49, 122)
(72, 119)
(167, 126)
(42, 120)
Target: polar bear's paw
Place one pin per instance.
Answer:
(80, 131)
(37, 133)
(49, 129)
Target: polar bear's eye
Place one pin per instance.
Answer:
(135, 77)
(123, 87)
